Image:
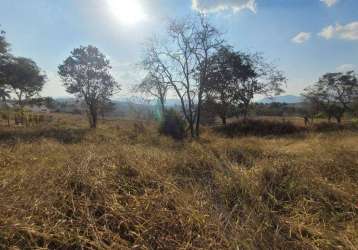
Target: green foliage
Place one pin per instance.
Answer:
(24, 77)
(173, 125)
(334, 94)
(86, 74)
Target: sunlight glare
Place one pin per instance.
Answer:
(127, 11)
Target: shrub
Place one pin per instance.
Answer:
(326, 127)
(259, 127)
(173, 125)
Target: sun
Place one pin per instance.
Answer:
(127, 11)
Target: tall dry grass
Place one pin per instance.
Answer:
(121, 187)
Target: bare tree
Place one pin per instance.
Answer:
(154, 85)
(86, 73)
(182, 63)
(208, 41)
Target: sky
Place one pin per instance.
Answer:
(304, 38)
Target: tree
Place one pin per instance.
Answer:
(266, 80)
(86, 74)
(227, 70)
(154, 85)
(4, 58)
(182, 62)
(23, 77)
(333, 94)
(234, 78)
(106, 107)
(4, 45)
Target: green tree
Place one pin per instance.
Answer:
(4, 57)
(235, 78)
(23, 77)
(334, 94)
(227, 70)
(86, 74)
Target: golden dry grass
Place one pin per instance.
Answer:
(124, 186)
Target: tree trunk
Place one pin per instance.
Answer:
(162, 105)
(197, 128)
(246, 111)
(93, 117)
(223, 119)
(339, 119)
(191, 127)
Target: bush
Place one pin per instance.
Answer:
(327, 127)
(173, 125)
(259, 127)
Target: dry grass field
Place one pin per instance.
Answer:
(124, 186)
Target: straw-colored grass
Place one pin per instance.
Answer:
(124, 186)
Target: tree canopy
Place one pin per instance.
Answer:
(86, 74)
(334, 94)
(234, 78)
(23, 77)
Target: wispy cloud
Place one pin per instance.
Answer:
(330, 3)
(301, 37)
(344, 32)
(210, 6)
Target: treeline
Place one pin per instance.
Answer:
(192, 62)
(212, 79)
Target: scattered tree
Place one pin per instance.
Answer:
(4, 45)
(4, 58)
(183, 61)
(154, 85)
(234, 78)
(334, 94)
(86, 73)
(106, 107)
(263, 79)
(23, 77)
(227, 70)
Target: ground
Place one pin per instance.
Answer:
(124, 186)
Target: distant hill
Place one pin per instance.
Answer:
(282, 99)
(175, 102)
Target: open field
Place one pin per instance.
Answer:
(124, 186)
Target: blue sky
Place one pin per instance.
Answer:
(305, 38)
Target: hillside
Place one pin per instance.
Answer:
(290, 99)
(124, 186)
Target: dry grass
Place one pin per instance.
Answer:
(126, 187)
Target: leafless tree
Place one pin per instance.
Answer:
(154, 85)
(182, 63)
